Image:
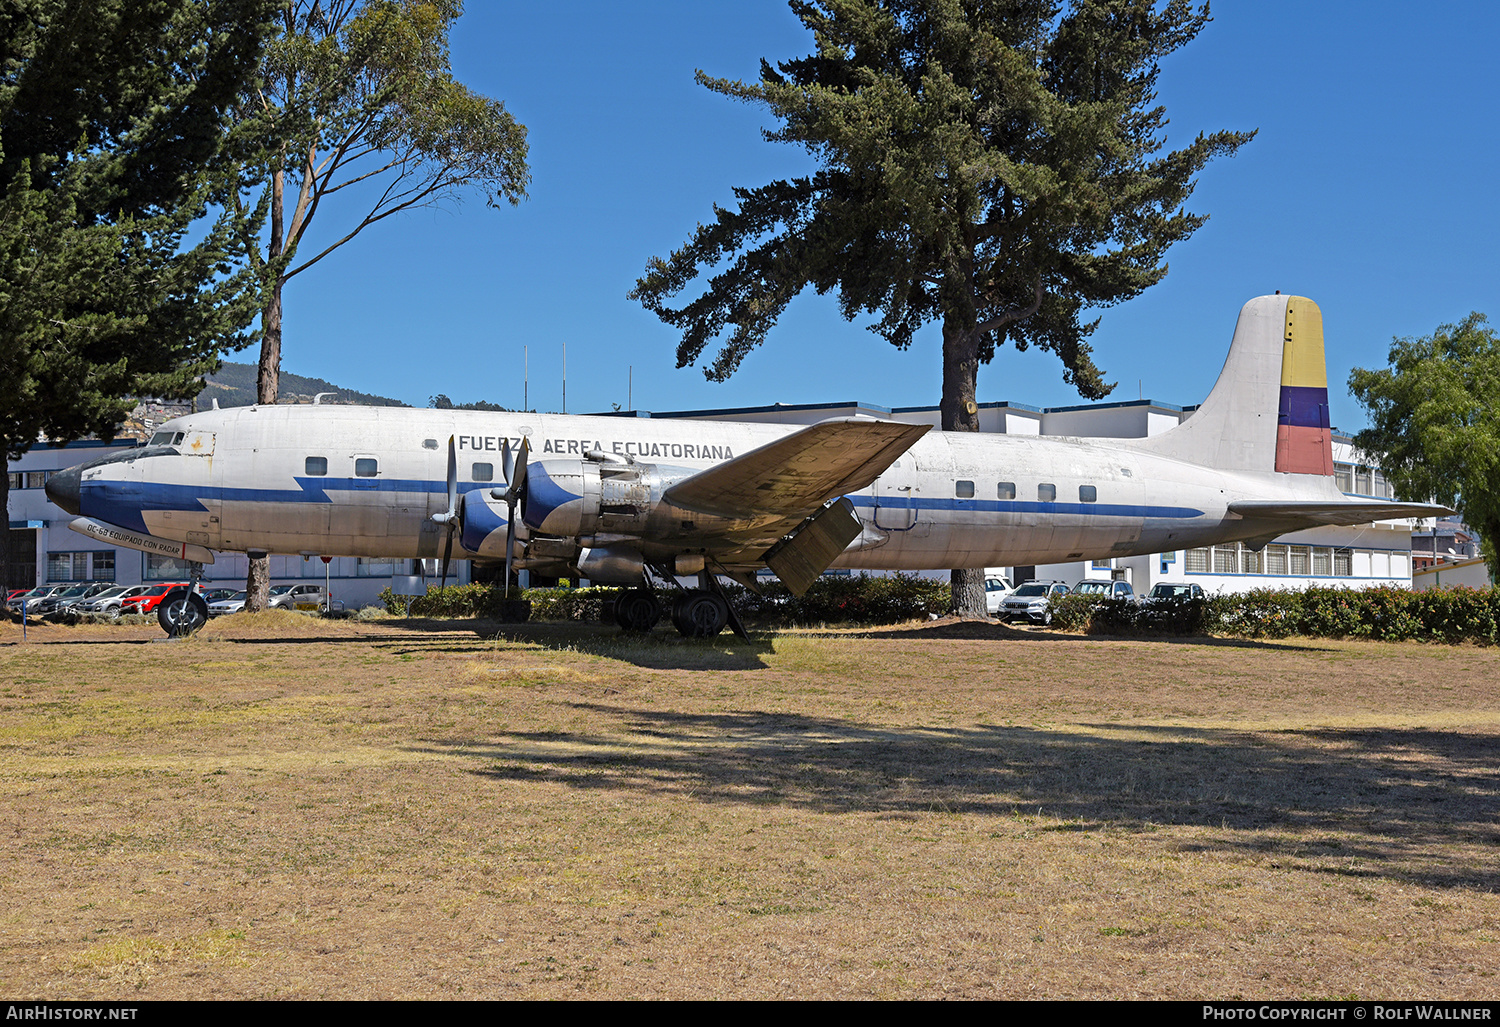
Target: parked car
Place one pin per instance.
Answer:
(148, 600)
(215, 595)
(1107, 590)
(232, 603)
(34, 596)
(298, 597)
(57, 604)
(108, 602)
(996, 589)
(1033, 601)
(1164, 591)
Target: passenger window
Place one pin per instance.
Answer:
(963, 489)
(1007, 490)
(366, 467)
(483, 472)
(1088, 494)
(1046, 493)
(317, 466)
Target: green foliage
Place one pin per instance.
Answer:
(112, 118)
(994, 167)
(830, 600)
(1385, 614)
(1435, 422)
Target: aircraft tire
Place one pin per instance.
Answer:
(181, 612)
(637, 609)
(700, 614)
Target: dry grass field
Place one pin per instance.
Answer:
(283, 807)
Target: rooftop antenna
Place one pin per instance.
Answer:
(630, 388)
(525, 377)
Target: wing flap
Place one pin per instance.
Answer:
(799, 472)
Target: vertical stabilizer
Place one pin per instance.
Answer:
(1269, 408)
(1304, 442)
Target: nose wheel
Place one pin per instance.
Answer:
(181, 612)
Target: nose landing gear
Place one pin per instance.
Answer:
(183, 611)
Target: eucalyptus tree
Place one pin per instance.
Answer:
(357, 99)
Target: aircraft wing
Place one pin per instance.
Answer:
(798, 473)
(1316, 512)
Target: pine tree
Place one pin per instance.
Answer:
(996, 167)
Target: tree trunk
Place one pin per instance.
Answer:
(267, 385)
(960, 412)
(5, 583)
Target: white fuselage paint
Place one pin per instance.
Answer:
(247, 470)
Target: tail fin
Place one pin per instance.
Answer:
(1269, 408)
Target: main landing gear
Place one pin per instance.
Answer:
(696, 613)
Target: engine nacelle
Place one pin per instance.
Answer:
(574, 498)
(484, 524)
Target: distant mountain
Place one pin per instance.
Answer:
(233, 385)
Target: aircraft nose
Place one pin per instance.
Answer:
(62, 489)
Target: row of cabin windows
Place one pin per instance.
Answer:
(1046, 492)
(369, 467)
(364, 467)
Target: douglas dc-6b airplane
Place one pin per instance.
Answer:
(614, 499)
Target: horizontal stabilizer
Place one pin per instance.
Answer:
(1316, 512)
(799, 472)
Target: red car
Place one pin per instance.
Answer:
(147, 602)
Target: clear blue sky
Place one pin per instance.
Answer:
(1371, 188)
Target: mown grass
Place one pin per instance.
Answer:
(286, 807)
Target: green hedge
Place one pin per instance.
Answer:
(1385, 614)
(830, 600)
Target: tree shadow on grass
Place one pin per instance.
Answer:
(1408, 804)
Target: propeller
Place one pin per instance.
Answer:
(514, 466)
(450, 517)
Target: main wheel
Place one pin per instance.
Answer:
(181, 612)
(636, 609)
(700, 614)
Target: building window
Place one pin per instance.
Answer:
(164, 568)
(1088, 494)
(67, 566)
(1362, 481)
(14, 477)
(1344, 475)
(36, 479)
(483, 472)
(1299, 560)
(1380, 485)
(1275, 559)
(1226, 559)
(1046, 493)
(1343, 563)
(375, 567)
(316, 466)
(1249, 560)
(366, 467)
(1322, 561)
(1195, 561)
(1006, 490)
(104, 565)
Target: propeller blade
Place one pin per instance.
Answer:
(451, 514)
(447, 556)
(510, 551)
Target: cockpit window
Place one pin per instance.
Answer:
(166, 438)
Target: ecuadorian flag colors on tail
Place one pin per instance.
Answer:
(1304, 443)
